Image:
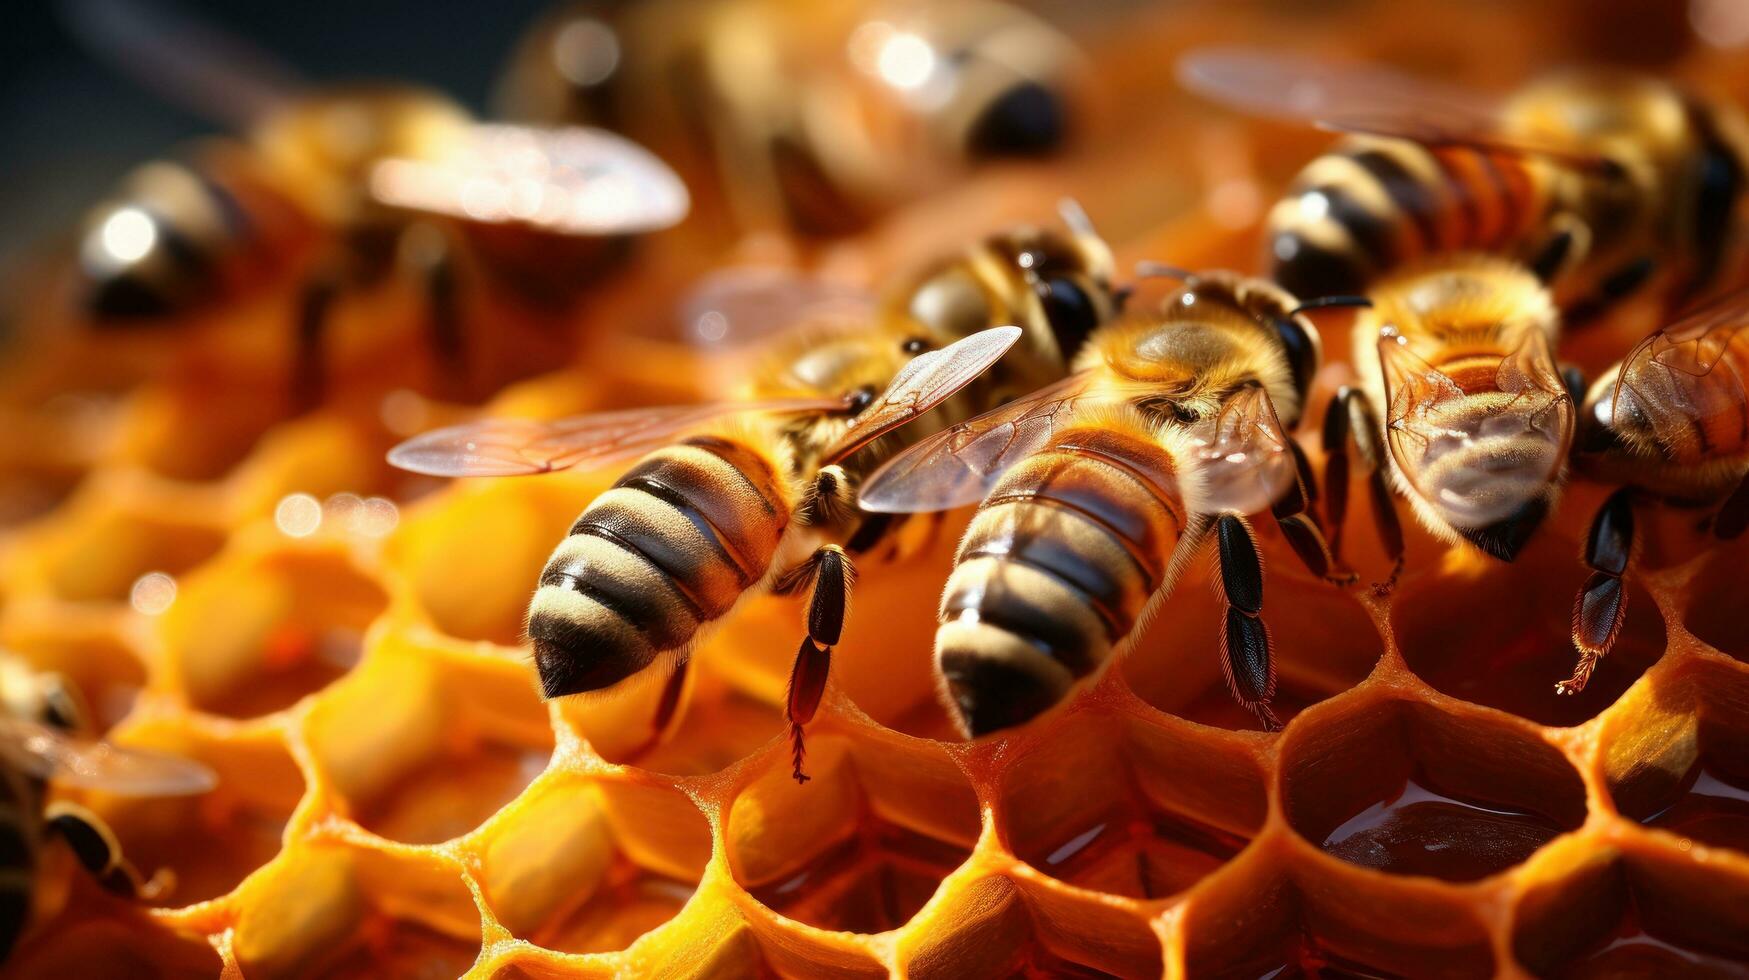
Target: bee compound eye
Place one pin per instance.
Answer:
(1025, 120)
(860, 399)
(914, 345)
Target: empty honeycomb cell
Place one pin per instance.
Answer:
(254, 632)
(320, 455)
(1410, 789)
(554, 871)
(1717, 599)
(91, 653)
(193, 431)
(409, 758)
(821, 853)
(1681, 764)
(111, 533)
(210, 842)
(329, 909)
(1517, 643)
(474, 551)
(1141, 810)
(717, 724)
(1638, 914)
(1323, 643)
(1089, 932)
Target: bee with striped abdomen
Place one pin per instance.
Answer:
(1594, 179)
(1670, 422)
(760, 492)
(341, 187)
(1461, 409)
(815, 118)
(1093, 491)
(41, 721)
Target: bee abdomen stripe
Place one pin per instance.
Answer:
(648, 555)
(1410, 196)
(625, 584)
(742, 510)
(1004, 596)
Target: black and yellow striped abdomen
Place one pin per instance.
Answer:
(1055, 568)
(1370, 206)
(671, 546)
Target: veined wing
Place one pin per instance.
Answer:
(925, 381)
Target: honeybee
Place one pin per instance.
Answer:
(1461, 409)
(816, 118)
(1092, 493)
(1594, 179)
(759, 492)
(1669, 422)
(343, 187)
(41, 718)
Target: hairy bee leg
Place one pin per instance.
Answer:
(1616, 286)
(1601, 605)
(1350, 420)
(829, 574)
(437, 279)
(1733, 515)
(98, 852)
(1293, 514)
(1245, 650)
(309, 377)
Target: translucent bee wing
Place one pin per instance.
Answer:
(523, 447)
(186, 61)
(569, 180)
(47, 753)
(1478, 456)
(1674, 377)
(1356, 98)
(925, 381)
(735, 306)
(1242, 455)
(957, 466)
(1294, 87)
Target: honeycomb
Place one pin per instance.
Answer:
(341, 644)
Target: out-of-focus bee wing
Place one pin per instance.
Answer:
(524, 447)
(1242, 457)
(958, 465)
(192, 64)
(1675, 368)
(569, 181)
(49, 754)
(735, 306)
(1356, 98)
(924, 382)
(1294, 87)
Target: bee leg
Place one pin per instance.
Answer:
(1245, 659)
(433, 262)
(829, 575)
(1616, 286)
(1602, 605)
(1733, 515)
(98, 852)
(1350, 420)
(1293, 514)
(1573, 380)
(832, 498)
(309, 379)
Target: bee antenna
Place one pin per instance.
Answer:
(1160, 270)
(1075, 217)
(1331, 302)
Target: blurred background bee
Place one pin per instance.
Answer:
(805, 117)
(42, 729)
(1670, 422)
(760, 492)
(1601, 181)
(1093, 492)
(339, 190)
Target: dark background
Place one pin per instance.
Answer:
(70, 125)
